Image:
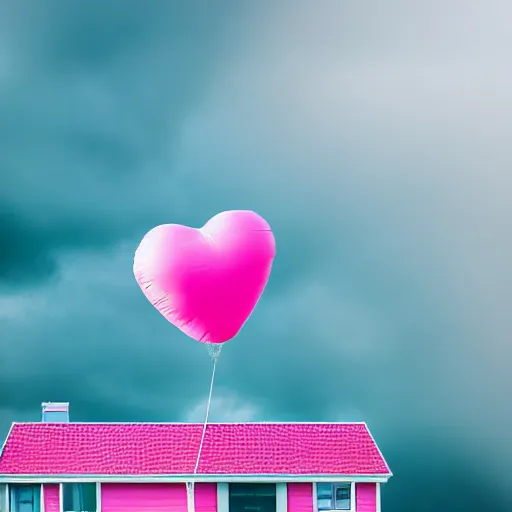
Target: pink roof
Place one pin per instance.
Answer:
(171, 449)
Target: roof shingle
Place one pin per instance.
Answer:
(171, 449)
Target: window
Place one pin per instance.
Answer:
(252, 498)
(79, 497)
(24, 498)
(333, 496)
(3, 498)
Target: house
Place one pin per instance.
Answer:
(58, 466)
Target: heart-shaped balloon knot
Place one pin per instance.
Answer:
(214, 350)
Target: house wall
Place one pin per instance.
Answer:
(300, 497)
(170, 497)
(205, 497)
(366, 497)
(146, 498)
(51, 497)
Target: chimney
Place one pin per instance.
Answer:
(55, 412)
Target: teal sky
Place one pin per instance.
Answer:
(375, 139)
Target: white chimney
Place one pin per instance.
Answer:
(55, 412)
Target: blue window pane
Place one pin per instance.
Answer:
(25, 498)
(324, 497)
(79, 497)
(325, 504)
(342, 497)
(3, 497)
(324, 491)
(252, 497)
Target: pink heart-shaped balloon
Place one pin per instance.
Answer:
(207, 281)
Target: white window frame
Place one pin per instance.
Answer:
(222, 497)
(281, 497)
(98, 497)
(61, 495)
(334, 484)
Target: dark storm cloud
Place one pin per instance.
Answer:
(89, 98)
(376, 147)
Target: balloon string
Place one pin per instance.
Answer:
(214, 353)
(206, 417)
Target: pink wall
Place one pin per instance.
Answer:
(300, 497)
(143, 498)
(51, 496)
(206, 497)
(366, 497)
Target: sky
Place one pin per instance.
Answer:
(373, 136)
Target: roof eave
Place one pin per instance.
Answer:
(379, 450)
(376, 478)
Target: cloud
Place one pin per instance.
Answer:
(224, 408)
(99, 119)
